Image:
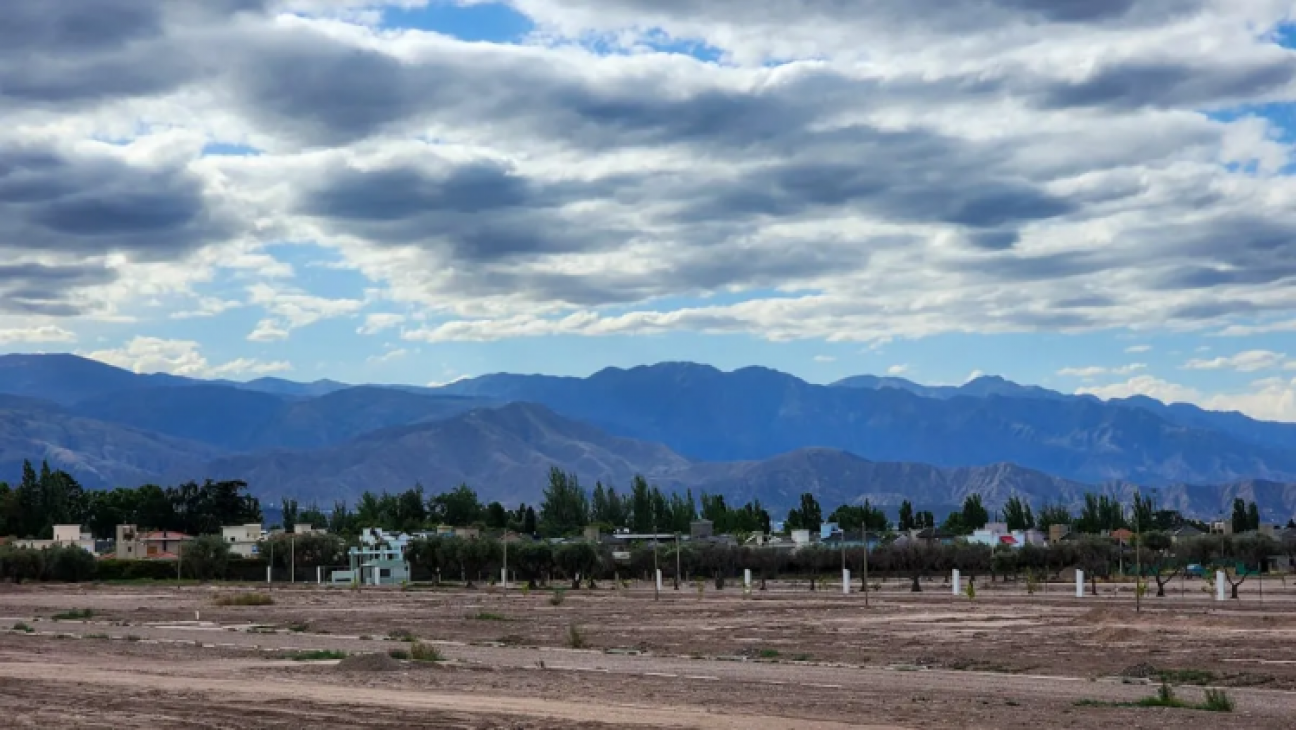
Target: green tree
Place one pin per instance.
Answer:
(641, 506)
(974, 513)
(907, 521)
(1253, 517)
(206, 557)
(565, 508)
(807, 516)
(1053, 514)
(1017, 514)
(529, 521)
(496, 516)
(855, 516)
(1241, 521)
(459, 507)
(289, 507)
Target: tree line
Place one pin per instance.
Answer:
(49, 497)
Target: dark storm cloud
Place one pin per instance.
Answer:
(93, 205)
(479, 212)
(58, 52)
(1170, 84)
(46, 290)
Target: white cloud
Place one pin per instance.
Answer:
(179, 357)
(207, 307)
(824, 358)
(1135, 349)
(897, 370)
(39, 334)
(294, 309)
(1267, 399)
(1248, 361)
(1093, 371)
(974, 375)
(451, 381)
(375, 323)
(388, 356)
(268, 330)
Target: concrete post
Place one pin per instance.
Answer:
(954, 583)
(1219, 585)
(846, 581)
(659, 579)
(267, 573)
(319, 574)
(1080, 584)
(504, 578)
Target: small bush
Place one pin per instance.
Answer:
(559, 595)
(768, 654)
(402, 635)
(244, 599)
(132, 637)
(400, 654)
(576, 639)
(484, 616)
(96, 636)
(20, 626)
(74, 615)
(421, 652)
(1217, 700)
(318, 655)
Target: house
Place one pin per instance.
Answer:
(156, 545)
(379, 560)
(242, 539)
(64, 536)
(701, 528)
(1185, 532)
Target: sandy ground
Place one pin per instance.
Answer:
(786, 658)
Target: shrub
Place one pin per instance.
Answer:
(559, 595)
(399, 654)
(114, 569)
(1217, 700)
(402, 635)
(421, 652)
(20, 626)
(69, 564)
(768, 653)
(318, 655)
(75, 614)
(485, 616)
(576, 639)
(205, 557)
(244, 599)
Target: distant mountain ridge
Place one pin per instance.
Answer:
(756, 413)
(750, 433)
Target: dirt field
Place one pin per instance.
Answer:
(784, 658)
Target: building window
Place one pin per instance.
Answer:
(384, 572)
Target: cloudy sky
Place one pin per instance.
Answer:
(1092, 195)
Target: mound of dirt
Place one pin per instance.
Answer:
(369, 663)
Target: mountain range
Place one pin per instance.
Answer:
(753, 433)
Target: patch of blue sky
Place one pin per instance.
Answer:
(319, 270)
(490, 22)
(213, 149)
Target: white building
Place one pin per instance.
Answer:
(64, 535)
(242, 539)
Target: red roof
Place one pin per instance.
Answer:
(1007, 540)
(164, 535)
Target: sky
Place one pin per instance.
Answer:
(1091, 195)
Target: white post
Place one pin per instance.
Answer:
(319, 574)
(1079, 584)
(659, 579)
(846, 581)
(747, 578)
(1219, 585)
(954, 582)
(504, 578)
(267, 573)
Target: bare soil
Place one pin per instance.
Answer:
(782, 658)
